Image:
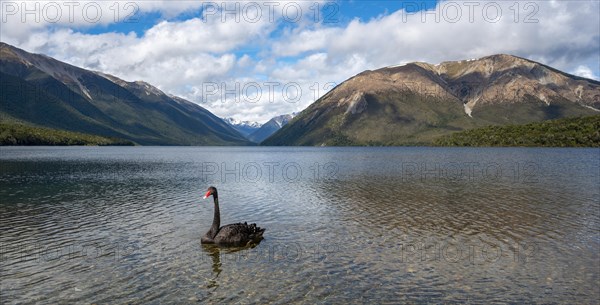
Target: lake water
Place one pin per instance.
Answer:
(387, 225)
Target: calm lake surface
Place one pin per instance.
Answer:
(388, 225)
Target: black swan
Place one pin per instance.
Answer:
(237, 234)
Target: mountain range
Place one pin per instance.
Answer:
(257, 132)
(42, 91)
(416, 103)
(244, 127)
(270, 127)
(411, 104)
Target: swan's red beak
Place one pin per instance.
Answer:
(206, 195)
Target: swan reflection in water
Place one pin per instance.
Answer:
(215, 252)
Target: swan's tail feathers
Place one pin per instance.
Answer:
(256, 232)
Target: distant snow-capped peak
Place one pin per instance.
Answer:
(240, 123)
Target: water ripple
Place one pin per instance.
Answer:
(121, 225)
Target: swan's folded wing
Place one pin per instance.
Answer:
(239, 234)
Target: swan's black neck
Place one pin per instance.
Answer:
(214, 229)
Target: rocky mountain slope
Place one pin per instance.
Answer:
(39, 90)
(418, 102)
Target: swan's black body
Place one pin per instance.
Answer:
(237, 234)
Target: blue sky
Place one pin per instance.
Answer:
(340, 12)
(186, 47)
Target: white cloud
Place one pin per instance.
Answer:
(20, 18)
(549, 30)
(585, 71)
(303, 41)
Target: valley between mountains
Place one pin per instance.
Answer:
(413, 104)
